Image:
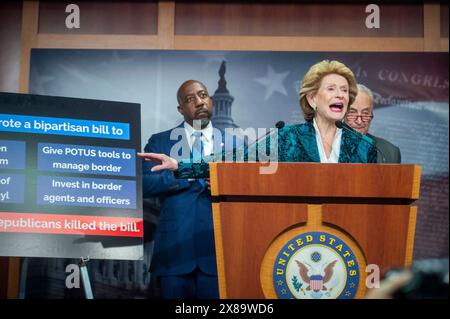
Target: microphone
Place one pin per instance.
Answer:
(371, 141)
(345, 126)
(280, 124)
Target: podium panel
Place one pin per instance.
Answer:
(301, 240)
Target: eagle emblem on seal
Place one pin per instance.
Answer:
(316, 282)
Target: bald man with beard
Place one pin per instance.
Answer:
(184, 259)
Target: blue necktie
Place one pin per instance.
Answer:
(197, 147)
(197, 152)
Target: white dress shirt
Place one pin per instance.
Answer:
(207, 137)
(335, 147)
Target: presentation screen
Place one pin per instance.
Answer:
(70, 183)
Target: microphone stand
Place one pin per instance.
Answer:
(371, 141)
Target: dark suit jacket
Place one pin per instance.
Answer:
(388, 152)
(184, 237)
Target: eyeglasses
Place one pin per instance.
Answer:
(364, 118)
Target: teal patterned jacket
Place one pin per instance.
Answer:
(296, 143)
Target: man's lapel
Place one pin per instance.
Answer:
(180, 145)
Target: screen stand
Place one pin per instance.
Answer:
(23, 277)
(85, 278)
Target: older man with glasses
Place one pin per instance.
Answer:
(359, 117)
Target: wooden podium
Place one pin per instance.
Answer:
(367, 206)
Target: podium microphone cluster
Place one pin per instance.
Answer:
(344, 126)
(279, 125)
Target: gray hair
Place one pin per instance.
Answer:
(365, 89)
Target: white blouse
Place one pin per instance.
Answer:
(335, 147)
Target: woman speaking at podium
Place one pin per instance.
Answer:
(327, 90)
